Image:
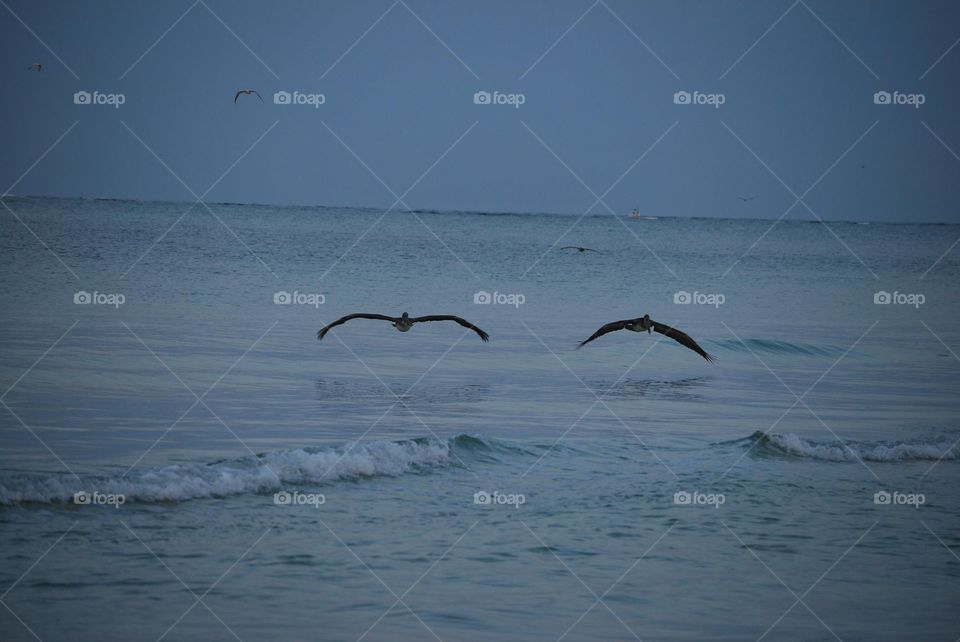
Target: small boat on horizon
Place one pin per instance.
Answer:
(635, 214)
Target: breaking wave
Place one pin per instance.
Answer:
(266, 472)
(935, 448)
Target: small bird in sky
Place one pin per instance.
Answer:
(247, 92)
(746, 199)
(38, 66)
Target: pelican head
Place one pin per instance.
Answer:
(403, 323)
(647, 324)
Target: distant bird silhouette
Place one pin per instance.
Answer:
(247, 92)
(38, 66)
(581, 249)
(746, 199)
(646, 324)
(403, 323)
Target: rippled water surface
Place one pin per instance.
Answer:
(273, 486)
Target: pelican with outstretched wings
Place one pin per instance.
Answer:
(579, 249)
(247, 92)
(646, 324)
(404, 323)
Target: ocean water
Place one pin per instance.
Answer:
(247, 481)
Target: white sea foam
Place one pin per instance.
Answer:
(233, 477)
(933, 449)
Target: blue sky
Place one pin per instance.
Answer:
(598, 81)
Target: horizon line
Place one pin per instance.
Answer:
(427, 210)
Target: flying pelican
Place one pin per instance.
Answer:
(404, 323)
(581, 249)
(746, 199)
(37, 66)
(645, 323)
(248, 92)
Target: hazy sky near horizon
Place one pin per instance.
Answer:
(598, 82)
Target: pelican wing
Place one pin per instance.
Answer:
(613, 326)
(258, 94)
(449, 317)
(358, 315)
(237, 96)
(682, 338)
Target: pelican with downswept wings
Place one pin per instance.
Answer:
(404, 323)
(648, 325)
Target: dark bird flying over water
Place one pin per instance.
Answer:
(404, 323)
(746, 198)
(646, 324)
(247, 92)
(581, 249)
